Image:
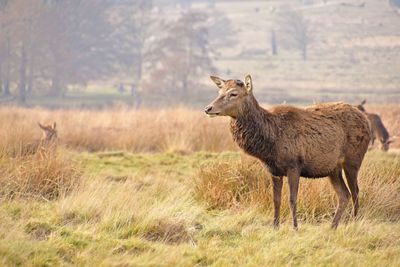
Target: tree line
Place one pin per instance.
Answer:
(48, 45)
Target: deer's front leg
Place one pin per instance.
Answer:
(293, 180)
(277, 192)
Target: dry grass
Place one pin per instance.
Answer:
(169, 130)
(233, 184)
(155, 216)
(174, 209)
(37, 176)
(238, 184)
(181, 130)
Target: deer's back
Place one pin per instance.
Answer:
(319, 137)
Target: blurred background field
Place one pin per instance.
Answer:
(160, 53)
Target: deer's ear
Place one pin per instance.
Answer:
(218, 81)
(248, 83)
(54, 125)
(44, 128)
(363, 102)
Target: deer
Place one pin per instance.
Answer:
(313, 142)
(49, 135)
(47, 143)
(378, 129)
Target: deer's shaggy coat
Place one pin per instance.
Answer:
(314, 142)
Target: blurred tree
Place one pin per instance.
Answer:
(221, 33)
(187, 55)
(296, 31)
(395, 3)
(58, 41)
(19, 29)
(138, 30)
(77, 37)
(5, 49)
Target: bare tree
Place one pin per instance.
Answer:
(19, 21)
(138, 32)
(5, 48)
(296, 31)
(56, 42)
(187, 54)
(76, 35)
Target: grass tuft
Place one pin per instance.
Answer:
(38, 230)
(232, 184)
(39, 178)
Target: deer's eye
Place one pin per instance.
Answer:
(233, 95)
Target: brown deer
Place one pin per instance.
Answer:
(314, 142)
(378, 130)
(48, 142)
(42, 147)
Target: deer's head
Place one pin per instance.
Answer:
(49, 132)
(385, 145)
(231, 96)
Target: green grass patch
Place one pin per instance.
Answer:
(142, 210)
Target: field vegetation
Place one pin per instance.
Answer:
(182, 130)
(168, 187)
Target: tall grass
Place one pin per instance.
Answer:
(37, 176)
(239, 184)
(168, 130)
(181, 129)
(151, 209)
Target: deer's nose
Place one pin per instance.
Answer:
(208, 109)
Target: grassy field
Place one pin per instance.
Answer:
(194, 201)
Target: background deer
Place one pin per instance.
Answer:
(43, 146)
(48, 142)
(314, 142)
(378, 130)
(49, 134)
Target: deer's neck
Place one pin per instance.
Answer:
(255, 131)
(44, 142)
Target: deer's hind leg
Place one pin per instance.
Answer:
(342, 193)
(351, 177)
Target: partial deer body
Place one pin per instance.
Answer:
(48, 142)
(378, 130)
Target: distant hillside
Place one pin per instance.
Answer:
(354, 52)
